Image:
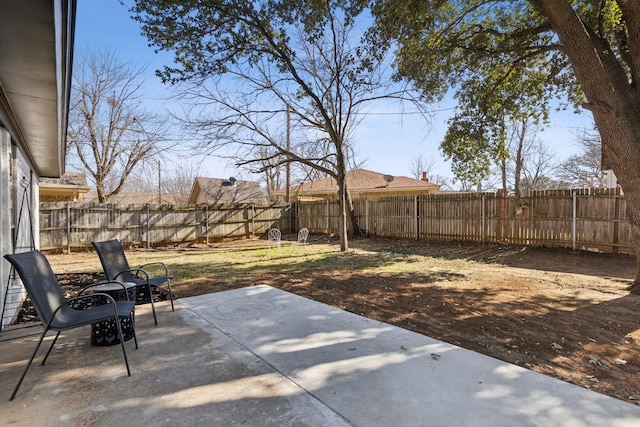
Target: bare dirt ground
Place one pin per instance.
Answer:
(561, 313)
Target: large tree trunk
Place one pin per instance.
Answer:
(519, 160)
(341, 180)
(342, 196)
(614, 102)
(621, 137)
(353, 230)
(100, 191)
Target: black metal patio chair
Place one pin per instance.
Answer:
(59, 314)
(116, 267)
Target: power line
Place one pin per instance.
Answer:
(400, 113)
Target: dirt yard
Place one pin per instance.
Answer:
(562, 313)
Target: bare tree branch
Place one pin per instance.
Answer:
(110, 132)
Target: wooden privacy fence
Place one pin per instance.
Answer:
(74, 225)
(592, 219)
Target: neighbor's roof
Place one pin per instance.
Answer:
(225, 191)
(70, 185)
(135, 198)
(362, 179)
(68, 178)
(36, 53)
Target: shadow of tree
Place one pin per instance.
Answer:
(558, 332)
(581, 329)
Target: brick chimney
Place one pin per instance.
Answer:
(424, 177)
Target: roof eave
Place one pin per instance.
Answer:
(36, 57)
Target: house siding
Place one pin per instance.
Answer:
(5, 210)
(20, 218)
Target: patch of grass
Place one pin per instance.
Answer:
(235, 262)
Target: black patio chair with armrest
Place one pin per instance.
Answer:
(116, 267)
(60, 314)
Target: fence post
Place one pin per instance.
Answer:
(574, 228)
(483, 221)
(68, 228)
(417, 219)
(502, 214)
(206, 224)
(290, 218)
(366, 214)
(328, 218)
(616, 219)
(148, 227)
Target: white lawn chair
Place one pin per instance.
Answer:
(303, 234)
(273, 237)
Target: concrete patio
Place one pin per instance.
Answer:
(260, 356)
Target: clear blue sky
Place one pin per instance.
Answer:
(386, 141)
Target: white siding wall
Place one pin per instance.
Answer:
(18, 207)
(5, 211)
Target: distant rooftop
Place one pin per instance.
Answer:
(363, 183)
(226, 191)
(68, 178)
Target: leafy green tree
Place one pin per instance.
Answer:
(496, 60)
(510, 59)
(246, 63)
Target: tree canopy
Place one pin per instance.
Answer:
(500, 59)
(245, 63)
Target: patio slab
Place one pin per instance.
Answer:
(260, 356)
(375, 374)
(185, 373)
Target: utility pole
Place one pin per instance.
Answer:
(288, 164)
(159, 185)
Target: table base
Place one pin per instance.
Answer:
(106, 332)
